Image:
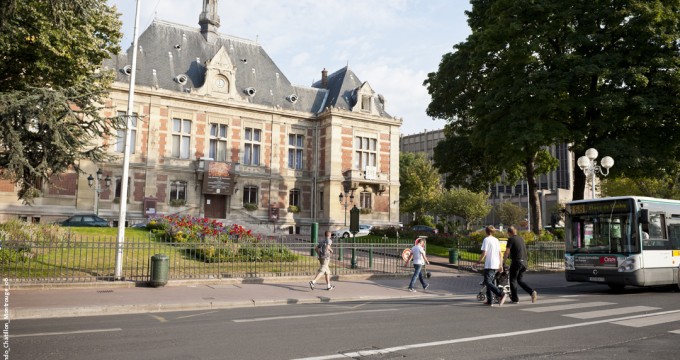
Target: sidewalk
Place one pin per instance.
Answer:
(26, 303)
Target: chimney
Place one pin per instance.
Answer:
(324, 78)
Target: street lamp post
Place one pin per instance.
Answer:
(590, 167)
(95, 183)
(346, 200)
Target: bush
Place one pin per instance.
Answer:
(293, 209)
(390, 231)
(250, 207)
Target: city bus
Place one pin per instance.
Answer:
(620, 241)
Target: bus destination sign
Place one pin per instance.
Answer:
(601, 207)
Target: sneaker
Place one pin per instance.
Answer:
(311, 285)
(426, 286)
(502, 300)
(534, 296)
(331, 287)
(411, 290)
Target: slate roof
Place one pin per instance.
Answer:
(167, 50)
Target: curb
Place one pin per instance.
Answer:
(44, 313)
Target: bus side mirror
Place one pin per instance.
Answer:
(644, 216)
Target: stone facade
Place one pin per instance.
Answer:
(209, 104)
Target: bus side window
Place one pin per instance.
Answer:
(657, 226)
(674, 236)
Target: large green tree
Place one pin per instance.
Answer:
(419, 184)
(51, 53)
(536, 73)
(469, 205)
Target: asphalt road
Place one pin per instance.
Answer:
(579, 322)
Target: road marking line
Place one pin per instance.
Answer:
(675, 332)
(66, 332)
(310, 315)
(611, 312)
(477, 338)
(546, 301)
(652, 320)
(205, 313)
(159, 318)
(568, 306)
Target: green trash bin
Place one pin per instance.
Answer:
(160, 266)
(453, 256)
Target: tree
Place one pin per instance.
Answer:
(471, 206)
(510, 214)
(420, 184)
(666, 188)
(51, 53)
(537, 73)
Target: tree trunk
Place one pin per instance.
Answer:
(536, 223)
(579, 183)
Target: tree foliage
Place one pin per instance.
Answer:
(469, 205)
(53, 86)
(510, 214)
(665, 188)
(420, 184)
(602, 74)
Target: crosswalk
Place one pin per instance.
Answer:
(647, 315)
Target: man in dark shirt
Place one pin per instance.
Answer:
(517, 251)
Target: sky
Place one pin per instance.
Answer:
(392, 44)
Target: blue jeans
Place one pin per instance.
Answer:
(417, 274)
(490, 285)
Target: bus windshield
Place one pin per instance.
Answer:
(602, 233)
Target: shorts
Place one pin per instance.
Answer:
(324, 269)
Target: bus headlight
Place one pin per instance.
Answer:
(628, 264)
(569, 262)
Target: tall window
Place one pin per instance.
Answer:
(119, 187)
(218, 142)
(251, 154)
(366, 152)
(178, 191)
(120, 133)
(181, 138)
(365, 200)
(366, 103)
(294, 197)
(295, 149)
(250, 195)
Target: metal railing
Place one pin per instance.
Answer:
(544, 255)
(92, 259)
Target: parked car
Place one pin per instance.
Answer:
(345, 233)
(85, 220)
(424, 229)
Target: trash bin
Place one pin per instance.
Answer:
(160, 265)
(453, 256)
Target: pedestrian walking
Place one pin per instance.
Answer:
(324, 251)
(419, 260)
(492, 257)
(516, 250)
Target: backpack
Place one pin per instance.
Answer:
(321, 249)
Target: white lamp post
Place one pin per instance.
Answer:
(589, 166)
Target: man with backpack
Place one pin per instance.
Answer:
(324, 251)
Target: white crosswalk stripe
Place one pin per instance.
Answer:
(579, 305)
(649, 321)
(611, 312)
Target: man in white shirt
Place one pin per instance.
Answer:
(491, 251)
(419, 260)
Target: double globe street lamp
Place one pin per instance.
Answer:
(590, 167)
(346, 201)
(96, 184)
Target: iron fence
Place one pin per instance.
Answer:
(543, 255)
(88, 259)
